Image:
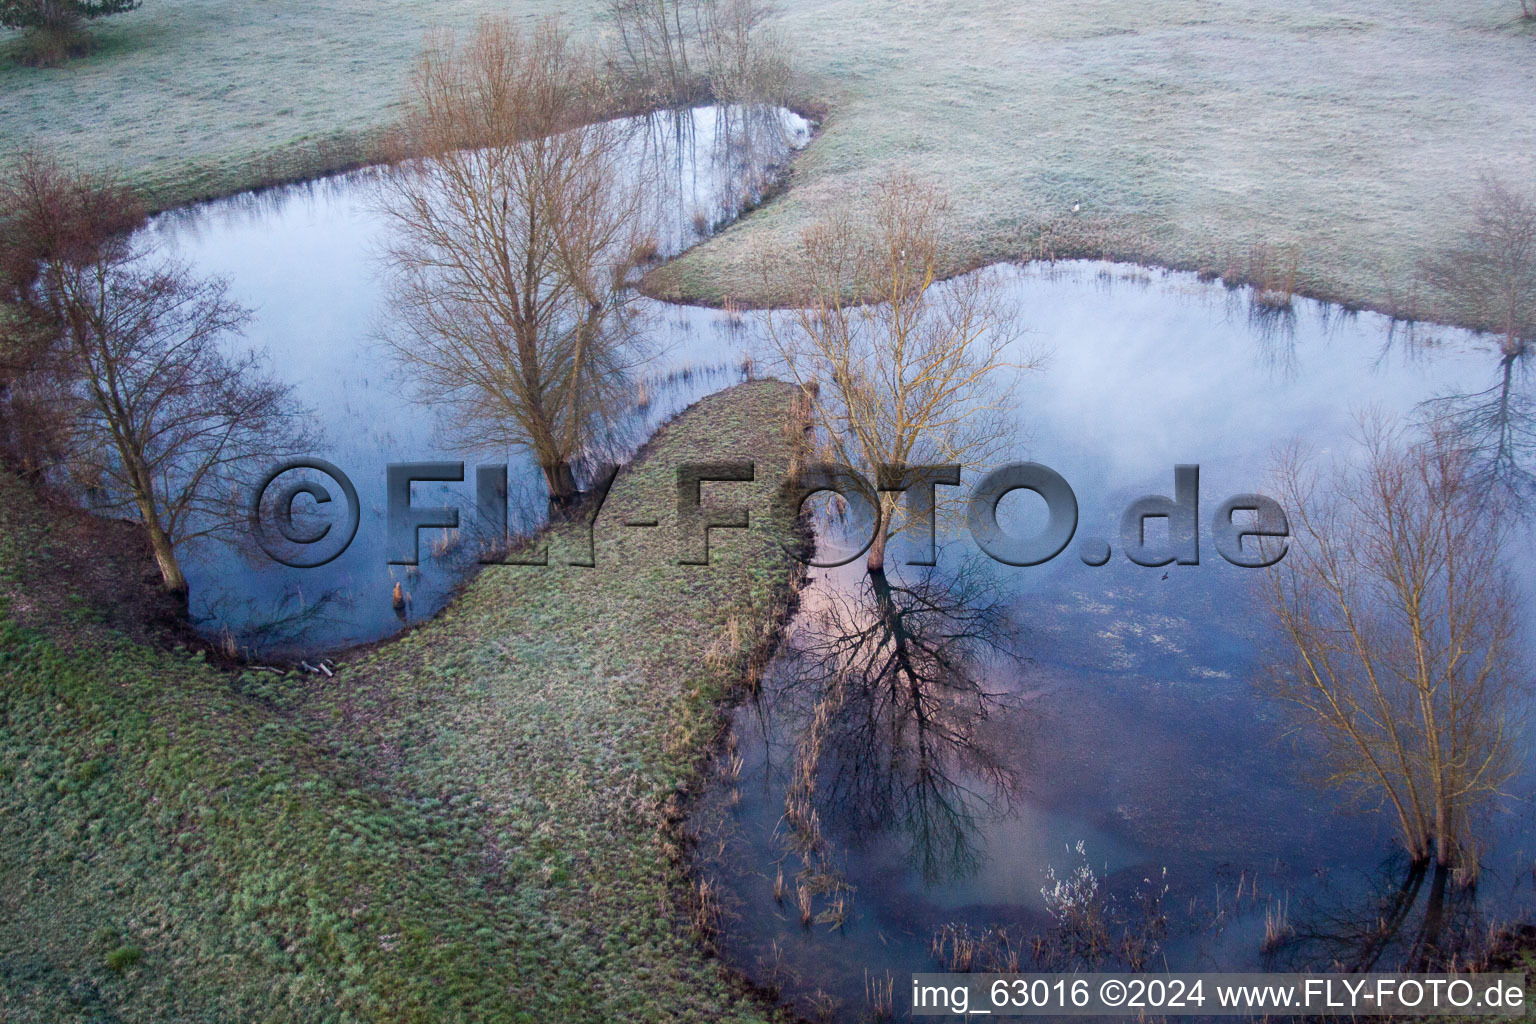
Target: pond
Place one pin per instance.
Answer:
(307, 259)
(1122, 744)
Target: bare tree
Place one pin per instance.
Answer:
(900, 369)
(745, 60)
(517, 226)
(1399, 633)
(155, 415)
(1489, 277)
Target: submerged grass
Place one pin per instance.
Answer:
(478, 821)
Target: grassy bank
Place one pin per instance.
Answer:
(191, 99)
(474, 822)
(1345, 135)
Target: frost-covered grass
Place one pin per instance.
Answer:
(473, 822)
(198, 98)
(1345, 133)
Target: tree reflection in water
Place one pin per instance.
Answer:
(709, 165)
(891, 681)
(1399, 923)
(1497, 427)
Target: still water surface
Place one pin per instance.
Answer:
(1079, 718)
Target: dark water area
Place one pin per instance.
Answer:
(307, 259)
(1085, 735)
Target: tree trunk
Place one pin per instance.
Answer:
(171, 576)
(563, 495)
(1445, 836)
(875, 563)
(170, 567)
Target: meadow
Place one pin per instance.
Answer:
(1344, 136)
(476, 821)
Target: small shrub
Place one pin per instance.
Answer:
(1277, 927)
(54, 28)
(1273, 277)
(48, 48)
(123, 957)
(647, 250)
(88, 772)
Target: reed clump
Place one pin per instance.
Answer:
(880, 994)
(1272, 275)
(1277, 927)
(706, 912)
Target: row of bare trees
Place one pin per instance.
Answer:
(678, 51)
(115, 371)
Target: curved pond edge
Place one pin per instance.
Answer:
(305, 162)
